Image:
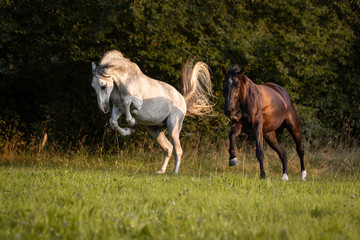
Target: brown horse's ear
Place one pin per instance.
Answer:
(242, 70)
(224, 71)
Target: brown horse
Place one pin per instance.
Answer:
(264, 109)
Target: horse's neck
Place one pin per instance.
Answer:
(244, 89)
(115, 96)
(247, 92)
(125, 76)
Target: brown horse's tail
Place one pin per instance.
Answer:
(197, 88)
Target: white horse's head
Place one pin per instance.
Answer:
(103, 85)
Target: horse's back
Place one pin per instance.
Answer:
(164, 90)
(273, 95)
(150, 89)
(279, 90)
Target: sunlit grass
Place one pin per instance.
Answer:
(118, 196)
(47, 203)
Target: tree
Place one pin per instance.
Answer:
(310, 48)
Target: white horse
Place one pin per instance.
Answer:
(149, 102)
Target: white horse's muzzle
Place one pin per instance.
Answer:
(104, 109)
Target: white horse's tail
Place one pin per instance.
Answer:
(197, 88)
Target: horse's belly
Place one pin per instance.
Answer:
(154, 111)
(274, 106)
(272, 120)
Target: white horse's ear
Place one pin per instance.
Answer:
(93, 65)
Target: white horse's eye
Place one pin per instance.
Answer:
(103, 87)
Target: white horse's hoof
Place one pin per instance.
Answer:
(303, 175)
(233, 162)
(123, 131)
(127, 131)
(285, 177)
(160, 172)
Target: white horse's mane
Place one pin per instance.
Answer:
(113, 57)
(115, 60)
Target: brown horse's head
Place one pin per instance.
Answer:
(232, 89)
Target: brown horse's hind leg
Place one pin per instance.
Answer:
(235, 131)
(271, 139)
(259, 137)
(294, 129)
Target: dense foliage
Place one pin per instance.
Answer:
(311, 48)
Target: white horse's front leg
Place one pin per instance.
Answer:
(115, 115)
(132, 104)
(136, 105)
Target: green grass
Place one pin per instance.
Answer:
(85, 196)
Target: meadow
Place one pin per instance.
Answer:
(118, 196)
(64, 174)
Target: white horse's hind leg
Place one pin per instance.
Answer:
(115, 115)
(174, 126)
(161, 139)
(178, 151)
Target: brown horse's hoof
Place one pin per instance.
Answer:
(233, 162)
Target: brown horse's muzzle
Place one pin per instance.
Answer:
(235, 115)
(229, 110)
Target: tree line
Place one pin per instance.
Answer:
(311, 48)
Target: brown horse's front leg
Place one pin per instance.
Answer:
(258, 131)
(235, 131)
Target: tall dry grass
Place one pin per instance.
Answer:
(338, 158)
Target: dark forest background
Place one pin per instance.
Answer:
(311, 48)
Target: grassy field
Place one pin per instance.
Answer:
(85, 196)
